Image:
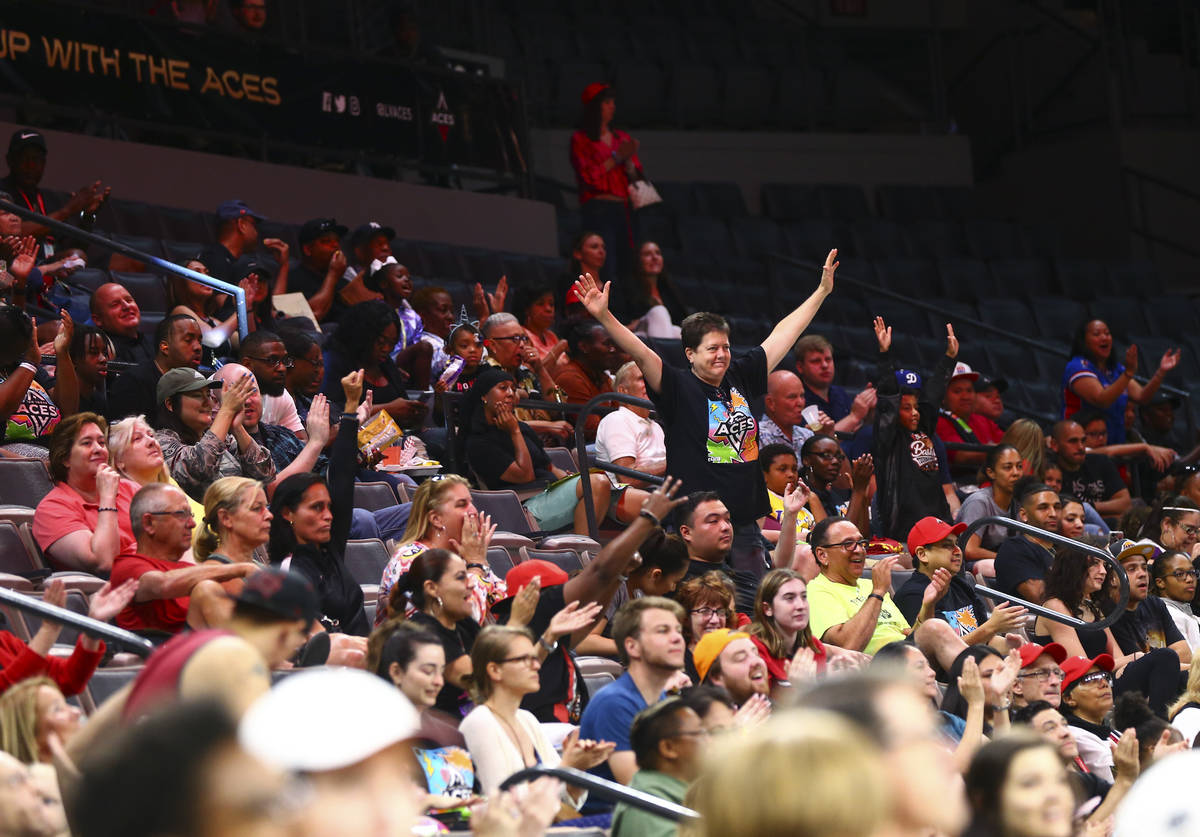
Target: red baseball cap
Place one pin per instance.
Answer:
(547, 573)
(929, 530)
(1030, 651)
(592, 91)
(1075, 667)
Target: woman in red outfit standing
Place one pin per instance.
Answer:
(605, 162)
(19, 661)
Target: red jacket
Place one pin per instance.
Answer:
(19, 662)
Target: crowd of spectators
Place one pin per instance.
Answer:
(783, 589)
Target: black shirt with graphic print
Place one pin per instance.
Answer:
(711, 434)
(908, 472)
(960, 605)
(1096, 480)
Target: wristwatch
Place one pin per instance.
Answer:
(550, 647)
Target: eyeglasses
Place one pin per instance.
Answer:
(530, 660)
(1043, 674)
(285, 361)
(1096, 677)
(828, 455)
(849, 546)
(1180, 575)
(516, 338)
(708, 612)
(1189, 530)
(179, 514)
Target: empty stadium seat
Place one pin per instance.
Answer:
(844, 201)
(938, 239)
(995, 240)
(1056, 317)
(500, 560)
(907, 202)
(693, 91)
(1012, 315)
(1122, 313)
(965, 279)
(567, 560)
(719, 199)
(149, 290)
(374, 496)
(677, 197)
(642, 88)
(880, 238)
(917, 278)
(1023, 277)
(23, 482)
(814, 238)
(757, 237)
(746, 94)
(366, 559)
(791, 202)
(705, 239)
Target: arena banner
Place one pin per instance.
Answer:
(143, 69)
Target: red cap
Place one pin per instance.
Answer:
(1030, 651)
(549, 574)
(929, 530)
(592, 91)
(1075, 667)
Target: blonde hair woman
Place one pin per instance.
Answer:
(36, 720)
(134, 451)
(747, 788)
(236, 523)
(502, 737)
(1027, 436)
(444, 517)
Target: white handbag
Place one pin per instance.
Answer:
(642, 193)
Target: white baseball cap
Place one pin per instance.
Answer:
(961, 370)
(325, 719)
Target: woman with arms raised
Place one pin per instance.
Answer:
(711, 433)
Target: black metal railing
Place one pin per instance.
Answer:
(57, 226)
(609, 790)
(115, 636)
(581, 451)
(1029, 529)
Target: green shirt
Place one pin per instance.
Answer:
(628, 821)
(831, 603)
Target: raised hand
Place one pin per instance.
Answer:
(1126, 755)
(593, 297)
(317, 423)
(861, 471)
(1006, 617)
(550, 359)
(279, 249)
(525, 603)
(795, 497)
(108, 479)
(753, 712)
(802, 667)
(477, 533)
(939, 582)
(864, 402)
(970, 683)
(951, 341)
(1004, 676)
(337, 263)
(506, 419)
(23, 257)
(496, 300)
(830, 268)
(108, 601)
(1131, 359)
(1170, 360)
(881, 574)
(365, 408)
(573, 618)
(66, 330)
(235, 393)
(661, 500)
(33, 352)
(352, 386)
(883, 334)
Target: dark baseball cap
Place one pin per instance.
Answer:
(286, 594)
(987, 382)
(182, 379)
(314, 228)
(231, 210)
(367, 231)
(24, 138)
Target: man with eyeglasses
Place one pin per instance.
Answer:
(1040, 678)
(508, 348)
(264, 354)
(858, 614)
(171, 594)
(668, 741)
(1087, 698)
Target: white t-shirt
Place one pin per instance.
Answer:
(281, 410)
(625, 433)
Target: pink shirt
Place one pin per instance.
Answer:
(64, 511)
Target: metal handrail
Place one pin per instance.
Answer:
(581, 452)
(57, 226)
(93, 627)
(1062, 540)
(609, 790)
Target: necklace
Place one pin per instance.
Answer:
(516, 738)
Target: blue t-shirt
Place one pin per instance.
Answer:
(1114, 415)
(608, 717)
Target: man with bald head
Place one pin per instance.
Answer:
(1092, 477)
(782, 423)
(116, 313)
(171, 595)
